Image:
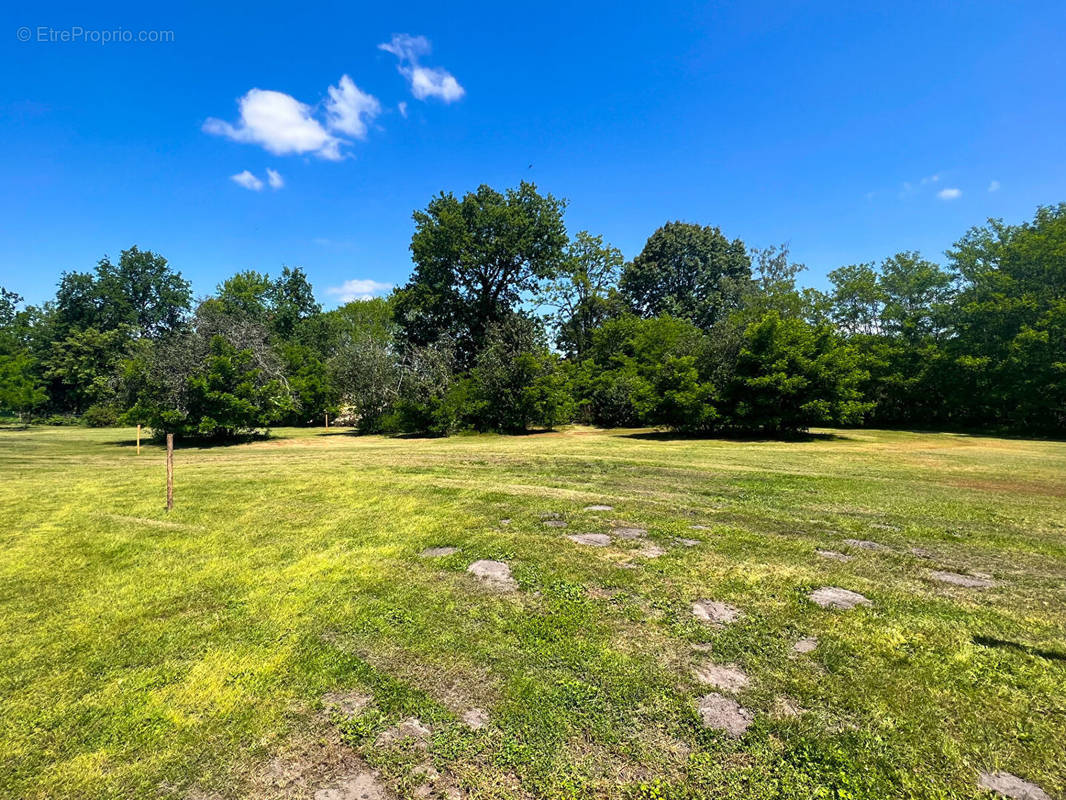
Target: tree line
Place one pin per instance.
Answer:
(508, 323)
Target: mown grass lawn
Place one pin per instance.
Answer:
(205, 653)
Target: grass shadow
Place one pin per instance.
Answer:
(669, 436)
(1018, 647)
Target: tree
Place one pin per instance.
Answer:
(856, 299)
(789, 376)
(582, 294)
(516, 382)
(20, 388)
(687, 271)
(83, 367)
(475, 260)
(915, 294)
(1009, 321)
(218, 378)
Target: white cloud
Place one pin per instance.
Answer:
(406, 47)
(274, 179)
(358, 289)
(247, 180)
(280, 123)
(994, 186)
(931, 179)
(949, 194)
(403, 109)
(349, 109)
(425, 81)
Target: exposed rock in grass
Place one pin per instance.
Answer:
(702, 647)
(599, 508)
(837, 598)
(687, 542)
(1007, 785)
(594, 539)
(833, 555)
(727, 677)
(410, 729)
(715, 613)
(555, 523)
(438, 552)
(349, 704)
(360, 786)
(784, 707)
(920, 552)
(493, 574)
(700, 527)
(651, 551)
(627, 532)
(723, 713)
(806, 645)
(865, 544)
(506, 521)
(476, 718)
(956, 579)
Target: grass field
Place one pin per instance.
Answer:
(265, 638)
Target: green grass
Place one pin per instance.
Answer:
(185, 655)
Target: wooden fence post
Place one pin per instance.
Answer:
(170, 471)
(327, 420)
(138, 439)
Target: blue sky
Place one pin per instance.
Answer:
(849, 130)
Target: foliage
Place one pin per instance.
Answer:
(791, 375)
(475, 259)
(688, 271)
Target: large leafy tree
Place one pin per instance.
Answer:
(689, 271)
(583, 294)
(791, 375)
(141, 293)
(1011, 321)
(475, 260)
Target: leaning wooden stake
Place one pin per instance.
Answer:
(327, 420)
(138, 440)
(170, 471)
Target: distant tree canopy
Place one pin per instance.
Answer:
(508, 324)
(688, 271)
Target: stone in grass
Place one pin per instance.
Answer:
(806, 645)
(599, 508)
(493, 574)
(865, 544)
(956, 579)
(554, 523)
(833, 555)
(360, 786)
(410, 729)
(837, 598)
(700, 527)
(651, 551)
(715, 613)
(505, 521)
(348, 704)
(438, 552)
(723, 713)
(475, 718)
(1007, 785)
(593, 539)
(626, 532)
(688, 542)
(727, 677)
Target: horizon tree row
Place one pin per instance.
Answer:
(508, 323)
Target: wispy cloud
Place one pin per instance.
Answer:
(949, 194)
(349, 109)
(274, 179)
(425, 82)
(247, 180)
(993, 186)
(358, 289)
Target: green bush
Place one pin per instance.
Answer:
(100, 415)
